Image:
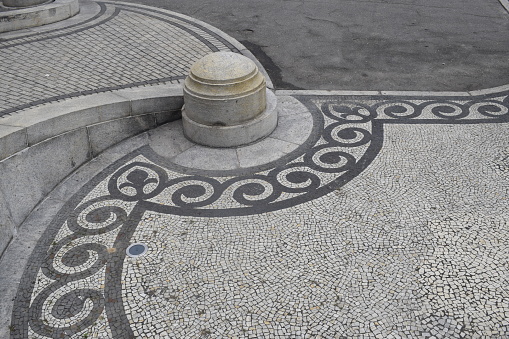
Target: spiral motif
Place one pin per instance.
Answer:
(76, 262)
(134, 182)
(75, 310)
(296, 179)
(92, 218)
(344, 136)
(195, 192)
(447, 110)
(490, 109)
(348, 112)
(331, 160)
(398, 110)
(255, 191)
(74, 259)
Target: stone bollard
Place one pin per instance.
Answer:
(226, 102)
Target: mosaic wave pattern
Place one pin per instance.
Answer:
(301, 249)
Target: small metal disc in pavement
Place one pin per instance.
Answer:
(136, 250)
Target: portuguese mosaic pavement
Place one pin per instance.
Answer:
(374, 217)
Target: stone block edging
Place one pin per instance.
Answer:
(55, 11)
(394, 93)
(32, 126)
(41, 146)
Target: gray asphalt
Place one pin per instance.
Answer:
(437, 45)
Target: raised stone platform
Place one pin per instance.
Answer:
(43, 129)
(364, 214)
(13, 19)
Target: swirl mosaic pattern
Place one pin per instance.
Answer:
(73, 285)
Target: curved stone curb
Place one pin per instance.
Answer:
(41, 146)
(505, 3)
(34, 226)
(35, 125)
(38, 15)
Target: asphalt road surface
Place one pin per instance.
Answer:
(436, 45)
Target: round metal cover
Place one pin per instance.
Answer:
(136, 250)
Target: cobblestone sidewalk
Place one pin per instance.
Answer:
(387, 219)
(121, 46)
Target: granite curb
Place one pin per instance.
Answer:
(505, 3)
(42, 146)
(34, 16)
(395, 93)
(36, 223)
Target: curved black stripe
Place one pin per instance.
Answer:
(101, 12)
(214, 34)
(117, 318)
(182, 27)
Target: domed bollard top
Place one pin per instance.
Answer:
(226, 102)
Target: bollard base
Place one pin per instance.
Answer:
(236, 135)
